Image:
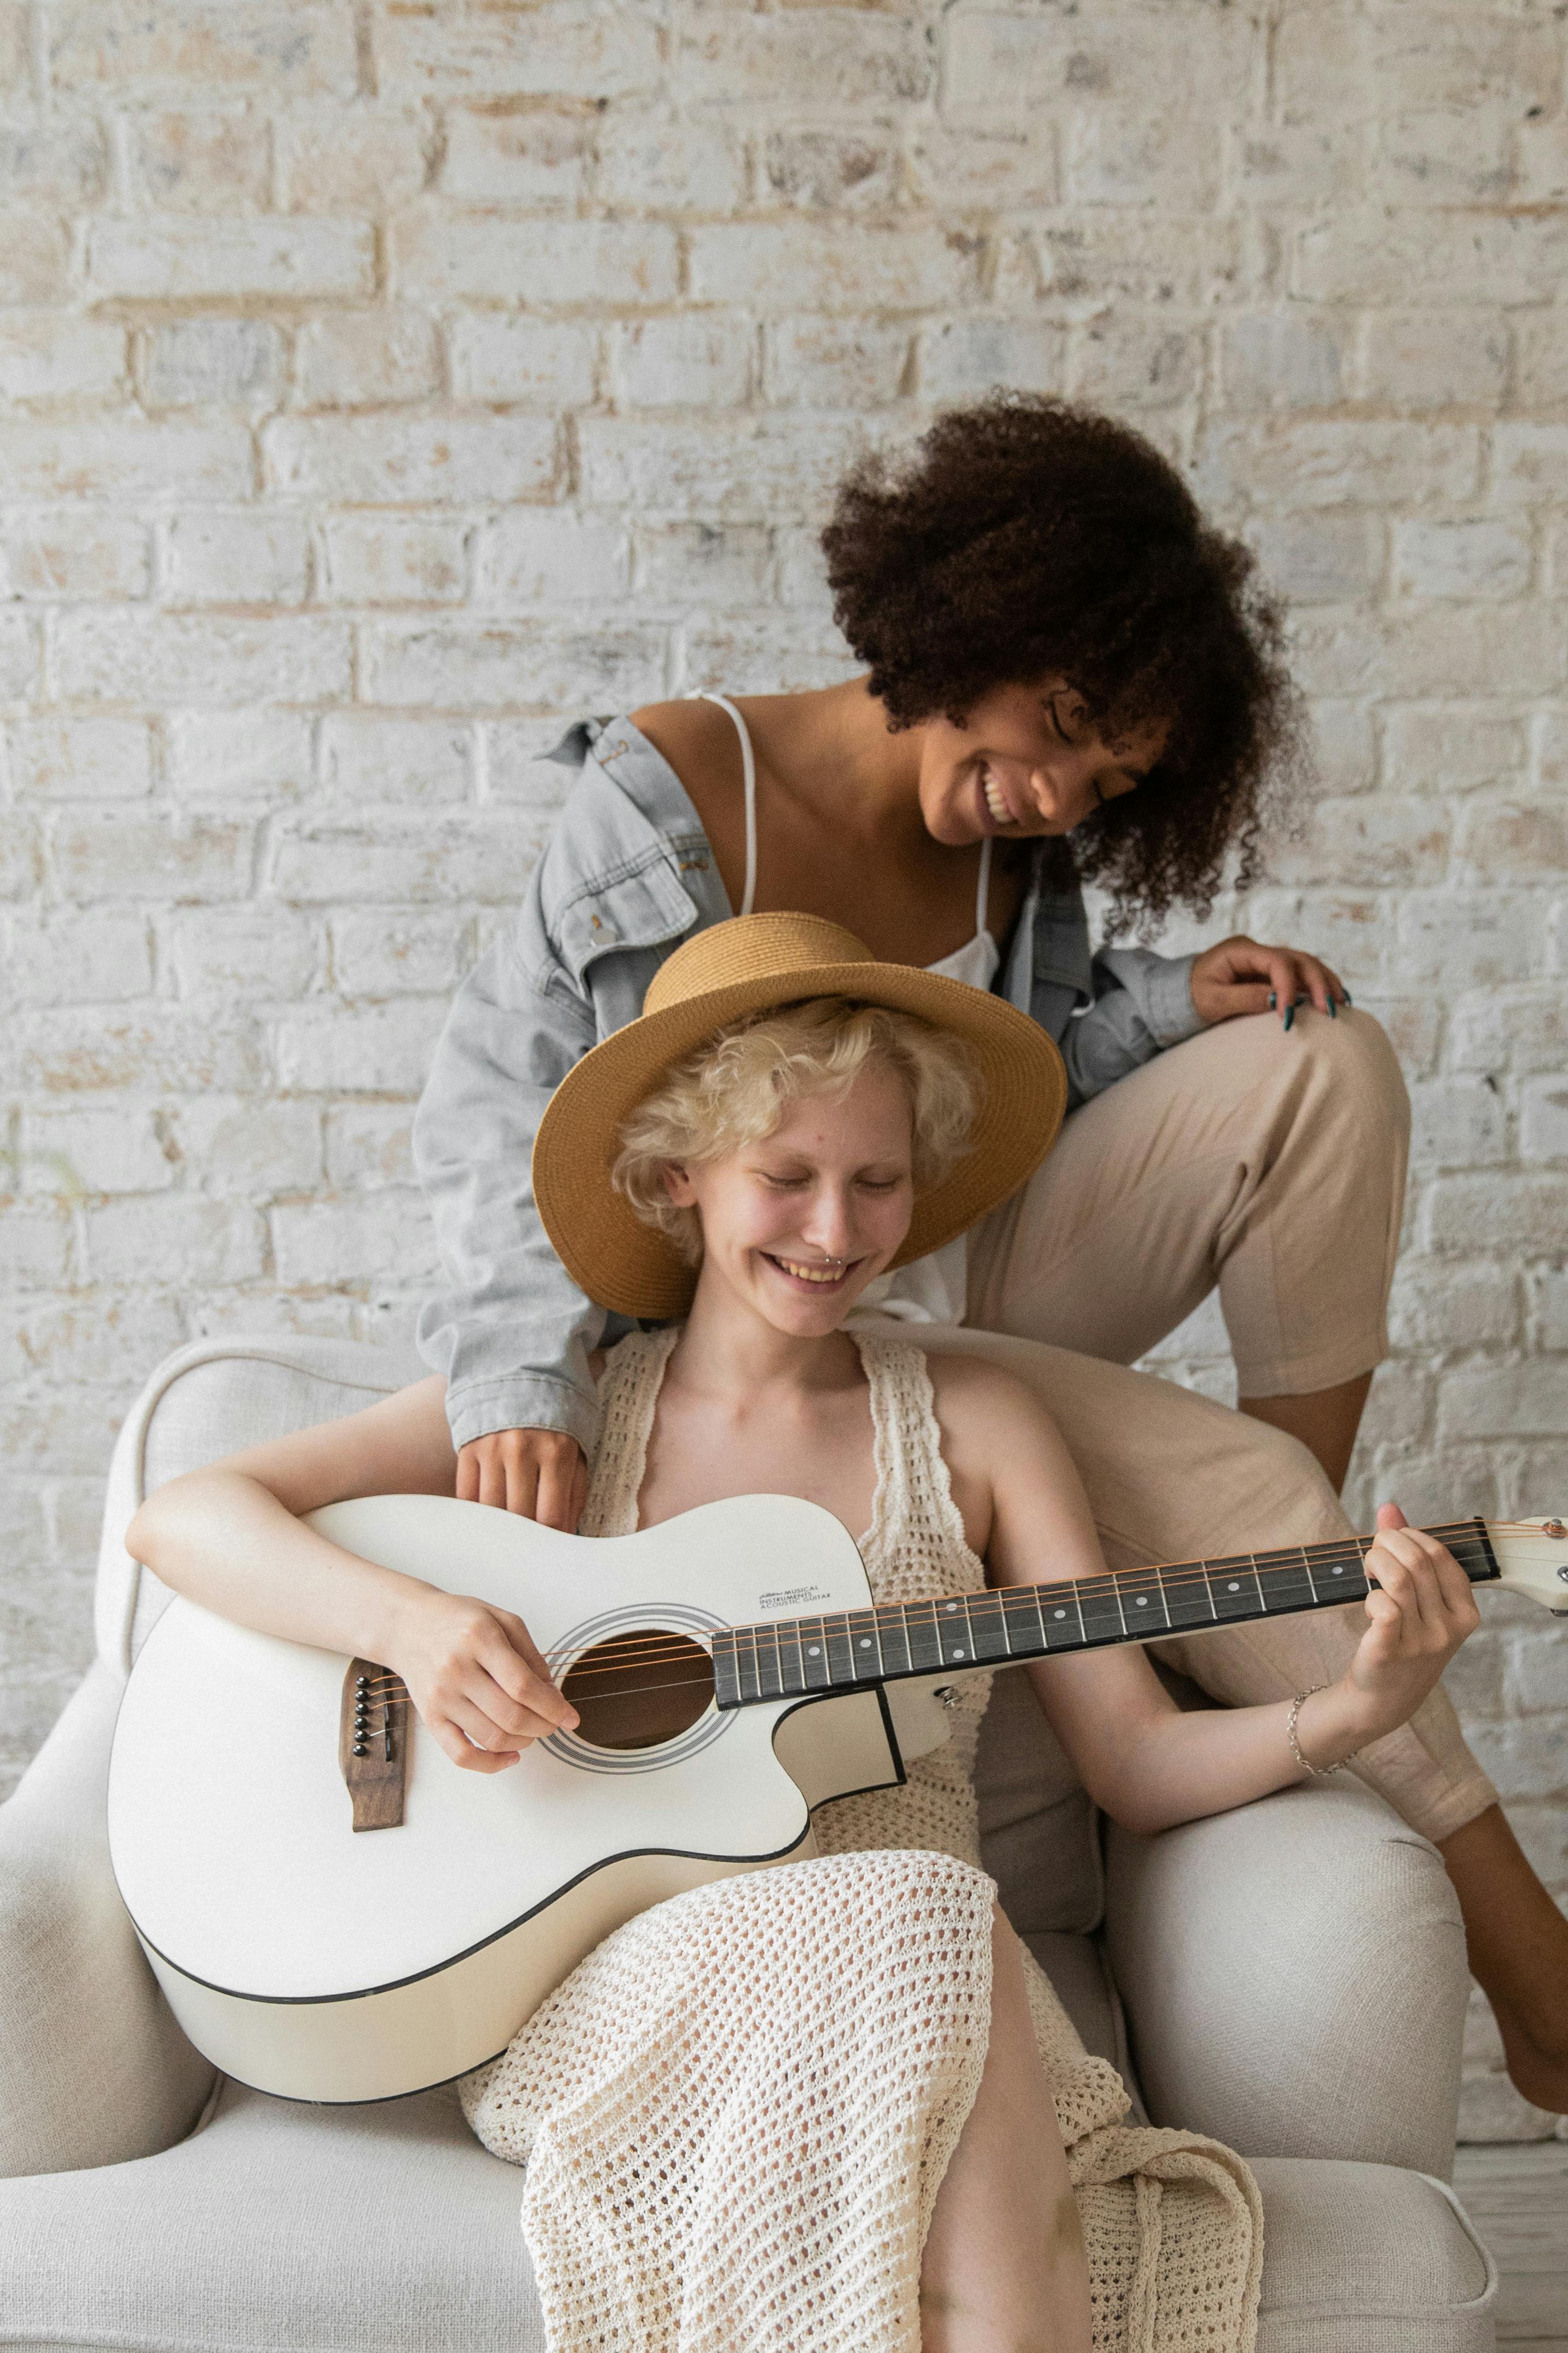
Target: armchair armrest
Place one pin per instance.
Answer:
(93, 2069)
(1295, 1978)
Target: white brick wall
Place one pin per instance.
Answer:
(384, 385)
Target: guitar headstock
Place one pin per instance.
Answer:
(1532, 1556)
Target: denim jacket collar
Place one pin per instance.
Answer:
(635, 869)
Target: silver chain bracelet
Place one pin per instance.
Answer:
(1318, 1772)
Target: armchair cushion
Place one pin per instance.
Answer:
(93, 2069)
(389, 2230)
(1368, 2259)
(371, 2229)
(1295, 1978)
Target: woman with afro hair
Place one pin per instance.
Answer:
(1067, 675)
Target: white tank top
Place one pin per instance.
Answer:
(931, 1289)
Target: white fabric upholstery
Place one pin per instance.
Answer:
(93, 2069)
(1295, 1978)
(389, 2230)
(390, 2227)
(374, 2230)
(1368, 2259)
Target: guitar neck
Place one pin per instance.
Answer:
(798, 1658)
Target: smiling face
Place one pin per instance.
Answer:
(1027, 763)
(797, 1225)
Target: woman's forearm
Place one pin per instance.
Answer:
(221, 1538)
(1152, 1765)
(1209, 1759)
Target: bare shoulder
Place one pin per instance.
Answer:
(697, 738)
(984, 1409)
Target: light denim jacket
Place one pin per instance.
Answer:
(628, 874)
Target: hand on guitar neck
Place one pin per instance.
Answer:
(1421, 1607)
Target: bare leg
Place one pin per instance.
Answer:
(1004, 2269)
(1325, 1421)
(1519, 1950)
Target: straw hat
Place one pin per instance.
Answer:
(749, 964)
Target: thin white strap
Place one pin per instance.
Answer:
(983, 893)
(749, 767)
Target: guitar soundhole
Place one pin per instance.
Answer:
(639, 1689)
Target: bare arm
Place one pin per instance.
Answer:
(1147, 1762)
(231, 1537)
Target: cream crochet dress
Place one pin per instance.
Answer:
(736, 2113)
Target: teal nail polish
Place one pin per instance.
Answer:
(1272, 1000)
(1349, 999)
(1333, 1008)
(1290, 1015)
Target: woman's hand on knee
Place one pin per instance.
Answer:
(1241, 975)
(1420, 1608)
(539, 1474)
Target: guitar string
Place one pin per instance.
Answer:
(1093, 1589)
(886, 1615)
(1175, 1576)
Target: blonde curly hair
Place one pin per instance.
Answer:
(734, 1089)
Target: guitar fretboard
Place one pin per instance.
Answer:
(887, 1642)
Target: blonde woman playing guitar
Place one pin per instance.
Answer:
(795, 1159)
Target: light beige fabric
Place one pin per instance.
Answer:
(1282, 1965)
(1270, 1162)
(389, 2230)
(1370, 2259)
(744, 2101)
(93, 2069)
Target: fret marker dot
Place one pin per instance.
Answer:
(1058, 1613)
(1143, 1601)
(813, 1653)
(1233, 1588)
(1338, 1572)
(958, 1654)
(952, 1605)
(865, 1642)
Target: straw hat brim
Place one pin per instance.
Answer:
(623, 1264)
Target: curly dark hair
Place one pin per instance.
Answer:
(1027, 538)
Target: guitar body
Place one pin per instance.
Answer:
(320, 1963)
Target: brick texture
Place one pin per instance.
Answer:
(383, 386)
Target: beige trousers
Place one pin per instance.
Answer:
(1272, 1164)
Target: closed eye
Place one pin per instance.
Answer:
(1068, 735)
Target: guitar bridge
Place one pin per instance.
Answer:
(372, 1743)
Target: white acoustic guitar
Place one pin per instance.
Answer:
(731, 1671)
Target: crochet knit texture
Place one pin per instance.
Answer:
(735, 2114)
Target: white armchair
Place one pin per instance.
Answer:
(1290, 1977)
